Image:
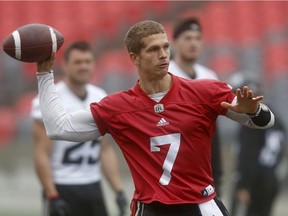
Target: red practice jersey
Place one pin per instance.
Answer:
(167, 145)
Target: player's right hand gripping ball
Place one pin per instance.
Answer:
(33, 43)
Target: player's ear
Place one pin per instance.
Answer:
(134, 58)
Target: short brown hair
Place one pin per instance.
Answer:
(140, 30)
(78, 45)
(184, 24)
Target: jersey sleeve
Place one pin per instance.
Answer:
(223, 93)
(35, 110)
(100, 116)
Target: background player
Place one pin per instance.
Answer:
(161, 109)
(257, 183)
(70, 172)
(187, 35)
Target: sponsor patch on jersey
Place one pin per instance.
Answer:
(158, 108)
(162, 122)
(207, 191)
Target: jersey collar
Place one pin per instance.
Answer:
(166, 99)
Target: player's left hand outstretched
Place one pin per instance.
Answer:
(246, 102)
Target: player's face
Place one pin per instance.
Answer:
(188, 45)
(153, 58)
(79, 67)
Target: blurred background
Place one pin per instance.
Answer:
(249, 39)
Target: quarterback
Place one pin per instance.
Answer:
(163, 126)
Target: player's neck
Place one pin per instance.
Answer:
(186, 66)
(78, 89)
(155, 86)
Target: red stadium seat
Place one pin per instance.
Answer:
(247, 33)
(247, 29)
(159, 7)
(23, 105)
(217, 22)
(134, 12)
(273, 15)
(275, 58)
(169, 30)
(224, 63)
(7, 124)
(113, 62)
(10, 18)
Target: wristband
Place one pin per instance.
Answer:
(44, 73)
(262, 118)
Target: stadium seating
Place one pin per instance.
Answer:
(274, 15)
(7, 124)
(217, 23)
(234, 24)
(224, 64)
(23, 105)
(275, 56)
(115, 61)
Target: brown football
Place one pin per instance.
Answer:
(33, 42)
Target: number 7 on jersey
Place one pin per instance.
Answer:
(174, 141)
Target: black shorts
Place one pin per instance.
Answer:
(214, 207)
(83, 200)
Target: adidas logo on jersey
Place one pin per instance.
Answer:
(162, 122)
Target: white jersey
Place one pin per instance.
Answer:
(72, 162)
(201, 71)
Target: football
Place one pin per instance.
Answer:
(33, 42)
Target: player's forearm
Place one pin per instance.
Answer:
(44, 172)
(78, 126)
(250, 122)
(263, 119)
(111, 169)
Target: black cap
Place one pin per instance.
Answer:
(185, 24)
